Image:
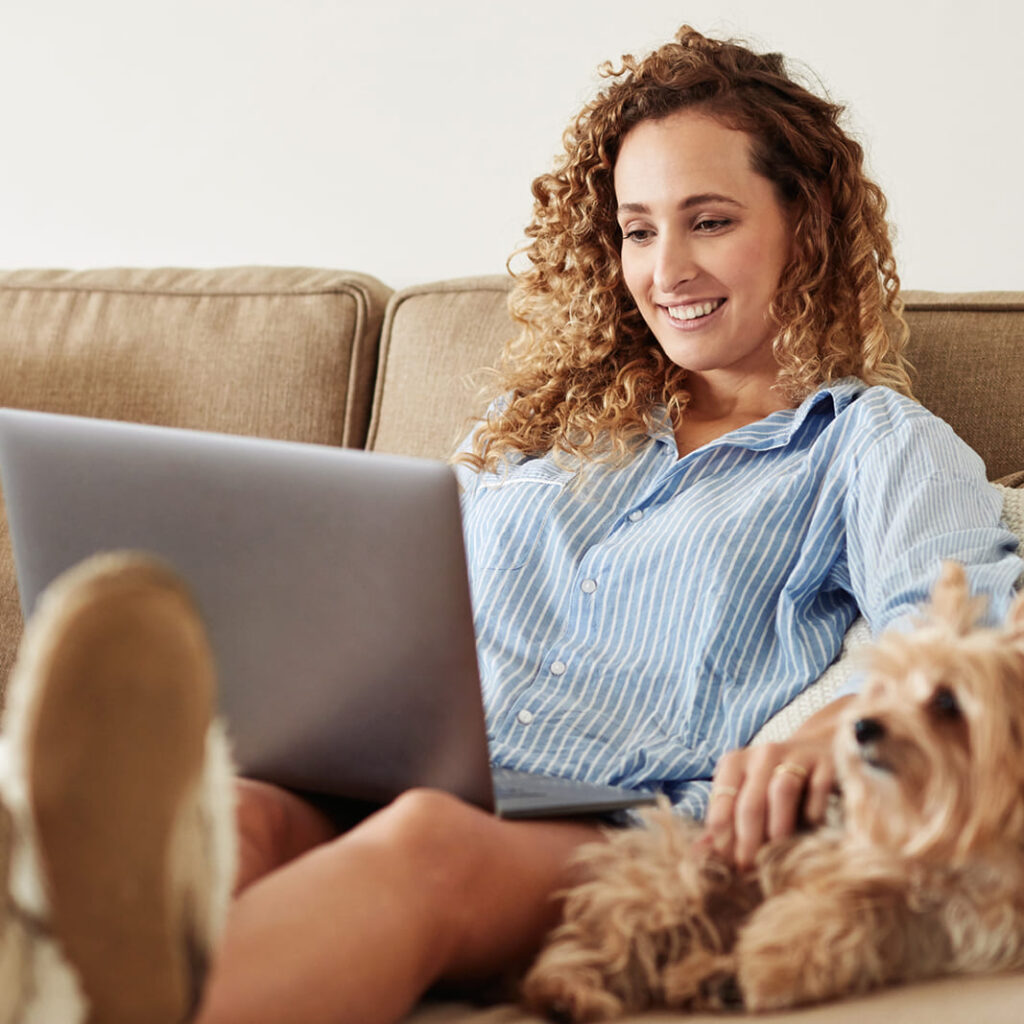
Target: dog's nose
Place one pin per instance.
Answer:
(867, 730)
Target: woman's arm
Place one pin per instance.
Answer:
(918, 496)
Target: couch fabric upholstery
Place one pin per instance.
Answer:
(333, 357)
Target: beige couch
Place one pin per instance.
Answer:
(337, 358)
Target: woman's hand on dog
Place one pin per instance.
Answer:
(763, 792)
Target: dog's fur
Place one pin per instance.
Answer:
(925, 875)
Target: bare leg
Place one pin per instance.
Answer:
(356, 929)
(274, 827)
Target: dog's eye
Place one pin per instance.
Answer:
(944, 703)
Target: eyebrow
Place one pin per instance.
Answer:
(686, 204)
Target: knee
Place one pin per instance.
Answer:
(434, 835)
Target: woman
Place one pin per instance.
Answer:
(703, 306)
(701, 466)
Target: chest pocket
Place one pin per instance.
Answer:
(506, 523)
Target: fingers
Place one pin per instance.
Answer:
(767, 807)
(725, 790)
(820, 787)
(758, 794)
(786, 788)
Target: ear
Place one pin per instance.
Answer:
(951, 602)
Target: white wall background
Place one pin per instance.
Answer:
(400, 137)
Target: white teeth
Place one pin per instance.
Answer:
(695, 311)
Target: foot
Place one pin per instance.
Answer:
(119, 786)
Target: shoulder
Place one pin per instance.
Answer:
(856, 411)
(879, 409)
(512, 473)
(879, 424)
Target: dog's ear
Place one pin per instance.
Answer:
(951, 602)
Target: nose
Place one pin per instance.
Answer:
(675, 264)
(868, 730)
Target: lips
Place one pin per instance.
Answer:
(685, 313)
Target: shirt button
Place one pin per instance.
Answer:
(525, 717)
(636, 515)
(557, 668)
(588, 586)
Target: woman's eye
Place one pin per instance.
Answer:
(637, 235)
(710, 224)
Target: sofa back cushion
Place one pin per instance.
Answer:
(437, 343)
(968, 356)
(275, 352)
(966, 349)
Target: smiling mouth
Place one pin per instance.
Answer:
(694, 311)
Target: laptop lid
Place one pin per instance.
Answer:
(332, 582)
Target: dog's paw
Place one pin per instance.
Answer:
(570, 998)
(722, 992)
(779, 975)
(761, 989)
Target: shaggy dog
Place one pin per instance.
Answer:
(925, 875)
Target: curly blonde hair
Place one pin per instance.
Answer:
(585, 375)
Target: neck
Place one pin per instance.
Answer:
(727, 397)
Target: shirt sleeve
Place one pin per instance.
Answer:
(919, 497)
(467, 476)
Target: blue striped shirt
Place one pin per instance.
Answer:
(635, 622)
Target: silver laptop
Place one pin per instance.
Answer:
(332, 582)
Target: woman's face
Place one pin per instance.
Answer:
(705, 240)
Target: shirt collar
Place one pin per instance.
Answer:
(779, 428)
(840, 393)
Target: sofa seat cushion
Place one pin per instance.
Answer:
(977, 1000)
